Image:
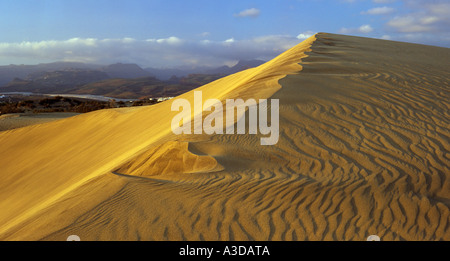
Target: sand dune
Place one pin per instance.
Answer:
(172, 157)
(363, 149)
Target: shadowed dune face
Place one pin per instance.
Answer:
(363, 150)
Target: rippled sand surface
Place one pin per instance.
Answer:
(363, 150)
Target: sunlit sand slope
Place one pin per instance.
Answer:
(169, 158)
(46, 166)
(363, 149)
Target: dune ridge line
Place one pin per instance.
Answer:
(63, 155)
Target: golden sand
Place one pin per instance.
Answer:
(363, 149)
(19, 120)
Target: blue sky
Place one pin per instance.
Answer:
(171, 33)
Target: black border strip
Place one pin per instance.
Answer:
(160, 250)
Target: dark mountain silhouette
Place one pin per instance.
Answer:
(241, 65)
(55, 81)
(9, 72)
(126, 71)
(116, 80)
(167, 73)
(146, 87)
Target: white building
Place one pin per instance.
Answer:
(161, 99)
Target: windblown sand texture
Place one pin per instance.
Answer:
(363, 149)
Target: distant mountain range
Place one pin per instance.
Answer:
(9, 72)
(126, 71)
(118, 70)
(146, 87)
(115, 80)
(165, 74)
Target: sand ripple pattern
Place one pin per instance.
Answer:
(364, 149)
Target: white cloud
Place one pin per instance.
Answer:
(423, 16)
(408, 24)
(231, 40)
(426, 20)
(170, 40)
(366, 28)
(273, 43)
(442, 8)
(305, 35)
(252, 12)
(86, 41)
(417, 21)
(128, 40)
(379, 11)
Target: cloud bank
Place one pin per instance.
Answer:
(421, 21)
(425, 16)
(416, 21)
(163, 52)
